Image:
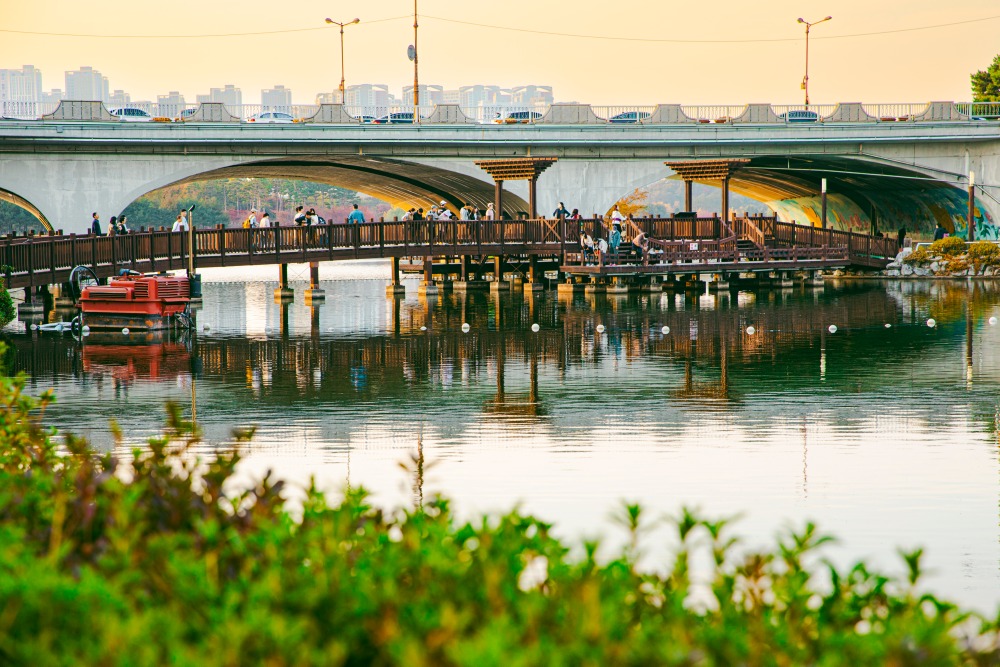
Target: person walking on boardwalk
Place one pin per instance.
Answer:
(300, 218)
(180, 224)
(560, 211)
(490, 213)
(112, 226)
(95, 224)
(356, 217)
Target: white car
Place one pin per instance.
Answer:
(131, 114)
(272, 117)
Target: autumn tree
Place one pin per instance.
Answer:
(986, 84)
(632, 203)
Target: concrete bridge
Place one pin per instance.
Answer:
(881, 174)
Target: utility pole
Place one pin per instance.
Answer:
(805, 79)
(343, 99)
(416, 79)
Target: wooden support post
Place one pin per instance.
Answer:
(972, 207)
(427, 286)
(688, 191)
(314, 293)
(395, 287)
(284, 292)
(532, 203)
(725, 198)
(823, 204)
(498, 200)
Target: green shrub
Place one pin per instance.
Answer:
(181, 565)
(918, 257)
(984, 254)
(948, 246)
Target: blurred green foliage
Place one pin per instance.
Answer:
(162, 558)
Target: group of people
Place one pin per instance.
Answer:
(442, 212)
(117, 225)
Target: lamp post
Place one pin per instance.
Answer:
(416, 80)
(332, 22)
(805, 79)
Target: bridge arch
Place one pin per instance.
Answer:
(21, 202)
(399, 183)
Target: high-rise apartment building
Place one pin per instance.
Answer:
(170, 105)
(279, 98)
(52, 97)
(531, 95)
(368, 95)
(21, 85)
(429, 94)
(119, 98)
(230, 95)
(87, 83)
(479, 95)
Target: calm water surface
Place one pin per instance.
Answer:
(886, 436)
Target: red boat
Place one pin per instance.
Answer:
(136, 301)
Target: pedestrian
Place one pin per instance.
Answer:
(444, 212)
(939, 232)
(300, 217)
(95, 224)
(602, 248)
(356, 217)
(251, 221)
(408, 215)
(560, 211)
(122, 227)
(419, 215)
(265, 221)
(490, 213)
(476, 213)
(180, 224)
(465, 212)
(112, 226)
(902, 236)
(184, 217)
(616, 216)
(587, 242)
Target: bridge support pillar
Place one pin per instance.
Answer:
(427, 286)
(314, 293)
(617, 287)
(63, 300)
(595, 286)
(654, 286)
(498, 284)
(534, 283)
(33, 306)
(814, 279)
(785, 280)
(395, 287)
(284, 292)
(720, 282)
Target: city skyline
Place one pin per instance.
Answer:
(723, 53)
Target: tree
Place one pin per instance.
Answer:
(986, 84)
(633, 203)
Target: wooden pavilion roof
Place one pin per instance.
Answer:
(516, 169)
(707, 170)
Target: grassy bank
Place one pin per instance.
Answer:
(161, 559)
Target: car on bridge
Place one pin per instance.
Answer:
(800, 116)
(396, 118)
(514, 117)
(272, 117)
(630, 117)
(364, 119)
(131, 114)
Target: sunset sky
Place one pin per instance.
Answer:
(139, 46)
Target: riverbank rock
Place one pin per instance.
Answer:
(906, 270)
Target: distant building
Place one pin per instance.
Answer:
(53, 97)
(449, 97)
(368, 95)
(21, 85)
(328, 98)
(531, 95)
(119, 98)
(170, 105)
(230, 95)
(429, 94)
(87, 83)
(483, 96)
(279, 98)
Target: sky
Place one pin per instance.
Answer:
(736, 52)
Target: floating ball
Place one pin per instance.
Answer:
(832, 328)
(600, 328)
(125, 331)
(931, 323)
(751, 331)
(665, 330)
(86, 328)
(423, 328)
(888, 326)
(466, 327)
(34, 327)
(993, 321)
(535, 327)
(86, 333)
(59, 327)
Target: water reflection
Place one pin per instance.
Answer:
(884, 431)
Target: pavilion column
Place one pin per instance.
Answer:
(688, 198)
(725, 198)
(532, 206)
(498, 199)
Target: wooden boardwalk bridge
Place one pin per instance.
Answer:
(677, 245)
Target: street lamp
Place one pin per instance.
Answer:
(412, 52)
(805, 79)
(332, 22)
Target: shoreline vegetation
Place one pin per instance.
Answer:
(161, 558)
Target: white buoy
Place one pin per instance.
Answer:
(125, 331)
(59, 327)
(931, 323)
(888, 326)
(751, 331)
(206, 328)
(832, 328)
(86, 328)
(665, 330)
(993, 321)
(466, 327)
(34, 327)
(535, 327)
(600, 328)
(423, 328)
(86, 333)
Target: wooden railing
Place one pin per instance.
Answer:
(862, 248)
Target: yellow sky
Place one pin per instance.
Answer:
(908, 66)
